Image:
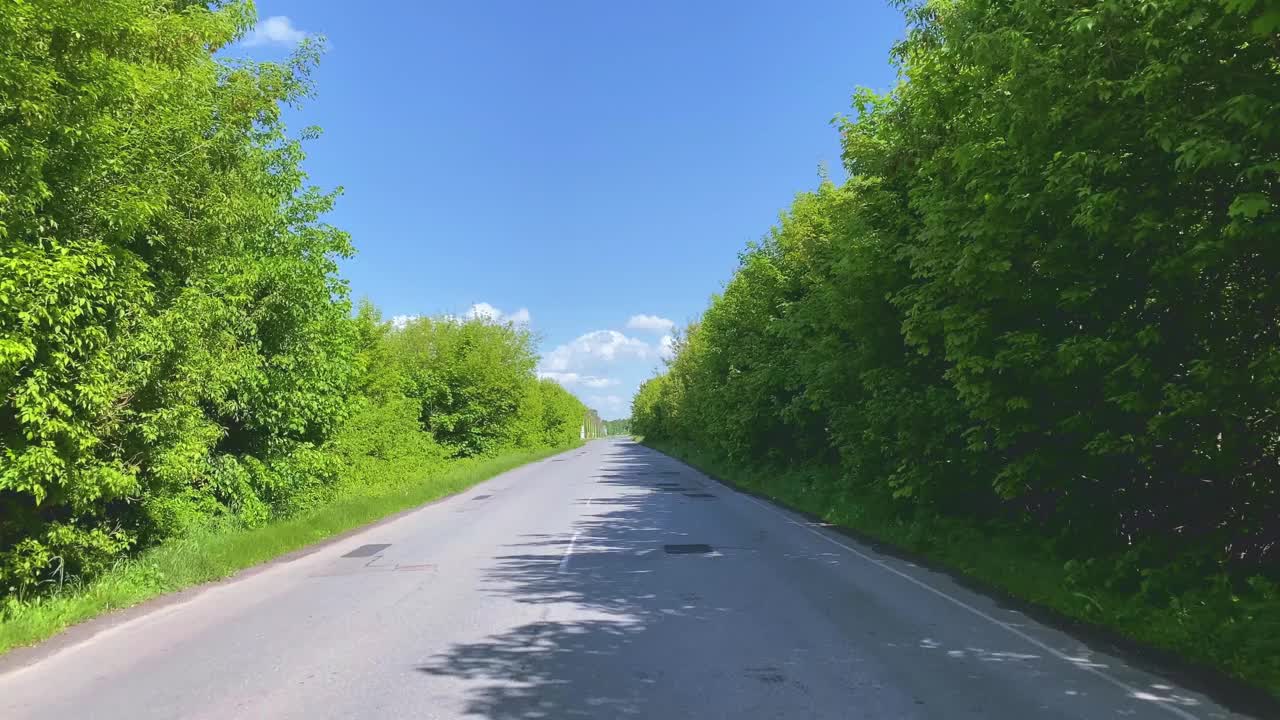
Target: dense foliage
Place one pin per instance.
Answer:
(618, 427)
(1046, 299)
(176, 349)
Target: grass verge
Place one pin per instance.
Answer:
(196, 559)
(1206, 631)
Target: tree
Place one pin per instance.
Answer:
(1046, 291)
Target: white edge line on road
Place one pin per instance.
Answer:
(1133, 692)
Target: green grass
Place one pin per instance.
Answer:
(1231, 625)
(201, 558)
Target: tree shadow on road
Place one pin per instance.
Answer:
(605, 661)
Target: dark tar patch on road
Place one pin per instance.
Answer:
(687, 549)
(367, 550)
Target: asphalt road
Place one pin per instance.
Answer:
(576, 588)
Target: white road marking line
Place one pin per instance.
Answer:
(1133, 692)
(564, 561)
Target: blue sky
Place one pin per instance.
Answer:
(591, 168)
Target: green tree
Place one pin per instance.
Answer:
(168, 302)
(621, 426)
(1092, 190)
(471, 378)
(177, 350)
(562, 414)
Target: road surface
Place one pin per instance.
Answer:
(607, 582)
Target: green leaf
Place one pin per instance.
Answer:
(1249, 205)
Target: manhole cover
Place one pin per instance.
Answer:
(699, 495)
(690, 549)
(367, 550)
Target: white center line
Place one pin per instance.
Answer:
(564, 561)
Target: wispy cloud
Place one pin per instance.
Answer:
(651, 322)
(275, 30)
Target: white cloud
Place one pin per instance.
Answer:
(479, 311)
(400, 321)
(610, 406)
(568, 379)
(564, 378)
(275, 30)
(594, 349)
(667, 347)
(651, 322)
(604, 367)
(485, 311)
